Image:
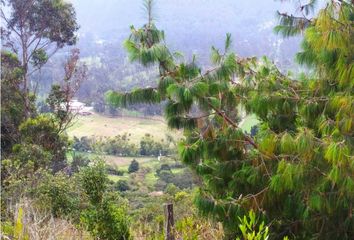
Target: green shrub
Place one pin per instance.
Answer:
(183, 180)
(43, 131)
(171, 189)
(163, 166)
(79, 161)
(83, 144)
(60, 193)
(113, 170)
(106, 221)
(133, 167)
(103, 218)
(251, 229)
(122, 185)
(119, 145)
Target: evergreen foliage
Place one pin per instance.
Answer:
(298, 169)
(134, 166)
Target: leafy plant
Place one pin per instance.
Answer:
(250, 228)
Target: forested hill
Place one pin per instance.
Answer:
(191, 25)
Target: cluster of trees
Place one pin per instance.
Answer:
(297, 171)
(120, 145)
(184, 179)
(34, 167)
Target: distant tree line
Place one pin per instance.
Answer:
(121, 145)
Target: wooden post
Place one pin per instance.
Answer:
(169, 222)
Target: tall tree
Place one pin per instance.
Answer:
(298, 170)
(60, 96)
(12, 108)
(35, 30)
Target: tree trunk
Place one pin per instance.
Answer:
(25, 78)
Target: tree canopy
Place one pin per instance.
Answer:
(35, 30)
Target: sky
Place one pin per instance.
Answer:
(191, 26)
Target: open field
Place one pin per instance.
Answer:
(103, 126)
(123, 163)
(137, 127)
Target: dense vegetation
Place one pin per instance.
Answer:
(120, 145)
(292, 177)
(298, 170)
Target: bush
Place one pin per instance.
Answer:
(122, 186)
(94, 181)
(248, 227)
(79, 161)
(107, 221)
(83, 144)
(133, 167)
(43, 131)
(59, 193)
(113, 170)
(183, 180)
(165, 167)
(171, 189)
(103, 218)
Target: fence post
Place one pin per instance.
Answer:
(169, 222)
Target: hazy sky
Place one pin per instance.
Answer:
(104, 15)
(189, 24)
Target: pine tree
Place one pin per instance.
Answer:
(298, 170)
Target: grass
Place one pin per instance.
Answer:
(104, 126)
(116, 178)
(122, 162)
(150, 179)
